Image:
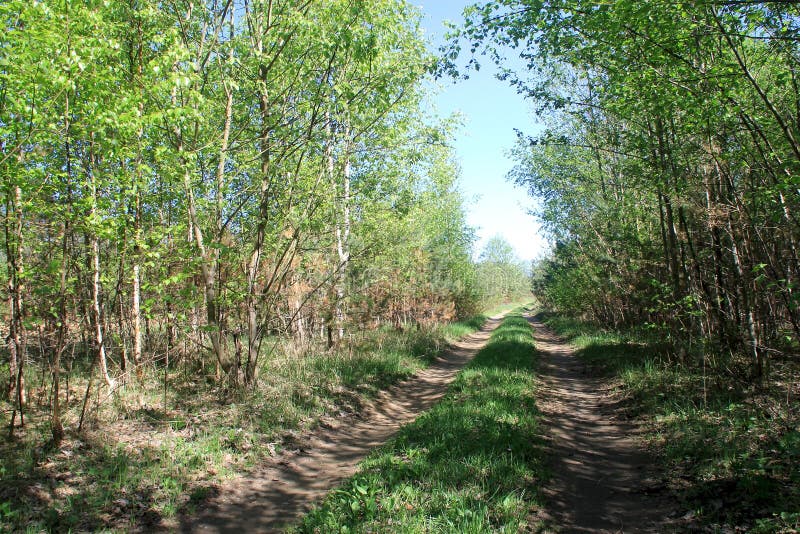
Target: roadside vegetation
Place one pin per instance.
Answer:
(473, 463)
(730, 453)
(201, 180)
(138, 462)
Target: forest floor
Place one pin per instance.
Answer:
(290, 483)
(150, 455)
(602, 479)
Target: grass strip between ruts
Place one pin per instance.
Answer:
(473, 463)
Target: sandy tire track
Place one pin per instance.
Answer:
(602, 479)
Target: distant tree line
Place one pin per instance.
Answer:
(501, 276)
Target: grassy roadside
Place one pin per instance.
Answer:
(473, 463)
(731, 453)
(137, 465)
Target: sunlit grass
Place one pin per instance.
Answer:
(498, 308)
(473, 463)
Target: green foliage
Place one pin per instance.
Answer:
(501, 277)
(424, 250)
(225, 172)
(664, 170)
(473, 463)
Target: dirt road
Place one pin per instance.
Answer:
(600, 475)
(292, 482)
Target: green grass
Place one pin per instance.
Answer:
(136, 465)
(498, 308)
(473, 463)
(731, 452)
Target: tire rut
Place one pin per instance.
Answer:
(601, 477)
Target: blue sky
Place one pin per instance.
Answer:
(490, 111)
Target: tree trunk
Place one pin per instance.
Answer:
(264, 144)
(98, 316)
(745, 298)
(95, 266)
(343, 246)
(17, 335)
(56, 428)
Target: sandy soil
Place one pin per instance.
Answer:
(602, 480)
(290, 483)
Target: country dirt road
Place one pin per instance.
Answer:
(601, 477)
(282, 490)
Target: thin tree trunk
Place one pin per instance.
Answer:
(208, 273)
(102, 360)
(215, 259)
(207, 266)
(136, 317)
(95, 266)
(745, 298)
(136, 280)
(264, 143)
(124, 366)
(343, 246)
(17, 336)
(56, 428)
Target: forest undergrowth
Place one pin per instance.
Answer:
(473, 463)
(148, 452)
(730, 449)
